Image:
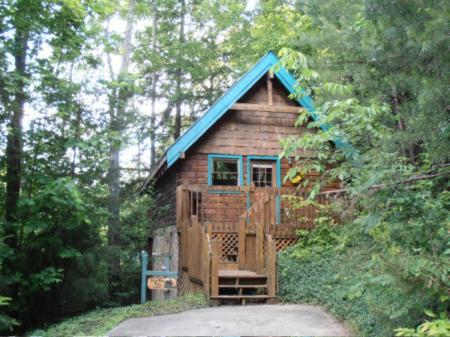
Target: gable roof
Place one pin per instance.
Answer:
(224, 103)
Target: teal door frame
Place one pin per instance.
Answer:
(277, 161)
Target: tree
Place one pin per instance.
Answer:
(153, 88)
(121, 90)
(26, 28)
(189, 61)
(374, 70)
(178, 73)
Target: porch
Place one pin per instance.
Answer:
(229, 238)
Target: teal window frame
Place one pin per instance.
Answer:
(277, 161)
(211, 158)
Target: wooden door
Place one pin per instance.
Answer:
(251, 247)
(264, 176)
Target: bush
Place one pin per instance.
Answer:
(329, 269)
(58, 265)
(438, 327)
(332, 280)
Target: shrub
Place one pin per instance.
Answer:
(343, 275)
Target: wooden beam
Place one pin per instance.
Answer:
(241, 243)
(264, 107)
(269, 90)
(215, 256)
(271, 267)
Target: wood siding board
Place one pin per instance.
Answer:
(165, 202)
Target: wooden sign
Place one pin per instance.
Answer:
(162, 283)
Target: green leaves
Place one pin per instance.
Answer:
(6, 322)
(375, 92)
(438, 327)
(336, 89)
(4, 301)
(355, 291)
(293, 60)
(323, 238)
(45, 279)
(59, 259)
(69, 252)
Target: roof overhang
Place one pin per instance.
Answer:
(268, 62)
(223, 104)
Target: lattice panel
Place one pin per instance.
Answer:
(229, 245)
(185, 286)
(283, 243)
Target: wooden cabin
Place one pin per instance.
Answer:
(220, 209)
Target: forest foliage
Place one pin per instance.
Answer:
(84, 83)
(381, 92)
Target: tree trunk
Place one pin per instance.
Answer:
(114, 189)
(153, 91)
(177, 126)
(117, 104)
(14, 138)
(73, 165)
(153, 123)
(406, 150)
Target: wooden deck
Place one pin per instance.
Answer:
(234, 259)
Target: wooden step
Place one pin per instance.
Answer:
(246, 286)
(239, 274)
(240, 297)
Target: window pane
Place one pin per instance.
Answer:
(262, 175)
(225, 172)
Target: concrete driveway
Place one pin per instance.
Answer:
(250, 320)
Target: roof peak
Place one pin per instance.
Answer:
(226, 101)
(231, 96)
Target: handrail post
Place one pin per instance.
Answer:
(206, 264)
(259, 246)
(209, 230)
(144, 263)
(241, 242)
(271, 266)
(215, 269)
(267, 215)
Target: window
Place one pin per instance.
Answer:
(225, 170)
(262, 174)
(196, 202)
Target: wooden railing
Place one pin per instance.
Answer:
(197, 245)
(224, 205)
(217, 227)
(197, 253)
(253, 224)
(215, 251)
(212, 204)
(271, 265)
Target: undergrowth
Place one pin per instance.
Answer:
(99, 322)
(330, 269)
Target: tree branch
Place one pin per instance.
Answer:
(405, 181)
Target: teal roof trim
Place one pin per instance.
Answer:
(224, 103)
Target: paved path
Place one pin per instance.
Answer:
(250, 320)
